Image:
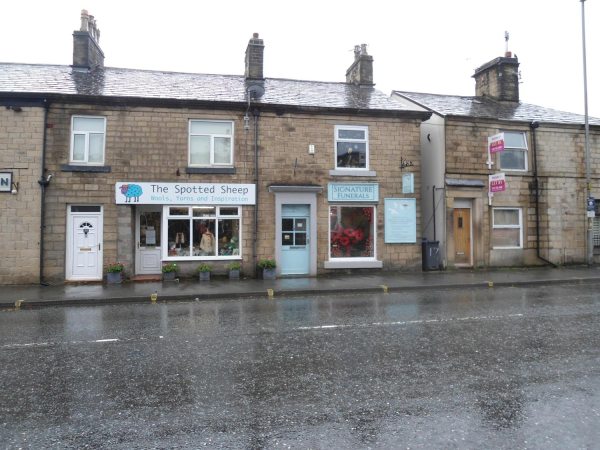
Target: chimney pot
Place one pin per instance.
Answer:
(508, 55)
(255, 36)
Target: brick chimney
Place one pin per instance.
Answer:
(361, 70)
(254, 59)
(498, 79)
(86, 44)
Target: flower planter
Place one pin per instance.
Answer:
(168, 276)
(269, 274)
(234, 274)
(204, 276)
(113, 277)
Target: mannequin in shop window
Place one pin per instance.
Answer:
(207, 243)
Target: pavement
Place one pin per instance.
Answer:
(36, 296)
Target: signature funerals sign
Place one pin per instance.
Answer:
(400, 220)
(353, 192)
(131, 192)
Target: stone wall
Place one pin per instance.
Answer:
(151, 144)
(21, 141)
(562, 192)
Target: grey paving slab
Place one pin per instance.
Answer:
(191, 289)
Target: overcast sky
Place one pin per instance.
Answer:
(421, 46)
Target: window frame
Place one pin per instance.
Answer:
(212, 143)
(336, 139)
(513, 227)
(358, 259)
(190, 217)
(87, 141)
(525, 150)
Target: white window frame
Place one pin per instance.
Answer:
(336, 139)
(524, 150)
(87, 141)
(520, 226)
(352, 205)
(218, 216)
(212, 143)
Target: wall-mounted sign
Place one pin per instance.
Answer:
(497, 182)
(6, 181)
(400, 220)
(353, 192)
(496, 143)
(131, 192)
(408, 183)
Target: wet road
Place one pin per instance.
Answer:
(504, 368)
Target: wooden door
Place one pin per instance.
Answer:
(462, 236)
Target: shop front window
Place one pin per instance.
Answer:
(352, 231)
(203, 232)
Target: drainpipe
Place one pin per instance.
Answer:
(44, 184)
(533, 125)
(256, 114)
(433, 193)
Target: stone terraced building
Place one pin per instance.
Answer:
(151, 167)
(543, 148)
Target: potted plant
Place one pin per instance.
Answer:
(113, 272)
(204, 271)
(169, 270)
(268, 266)
(234, 270)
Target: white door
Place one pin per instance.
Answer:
(84, 249)
(148, 235)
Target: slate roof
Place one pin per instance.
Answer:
(158, 85)
(485, 107)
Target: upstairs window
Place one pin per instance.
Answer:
(351, 147)
(211, 143)
(514, 156)
(87, 140)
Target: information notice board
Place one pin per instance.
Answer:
(400, 220)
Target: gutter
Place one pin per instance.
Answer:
(533, 125)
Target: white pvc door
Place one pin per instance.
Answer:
(148, 235)
(85, 249)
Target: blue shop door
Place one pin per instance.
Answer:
(294, 239)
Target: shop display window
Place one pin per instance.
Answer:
(203, 232)
(352, 231)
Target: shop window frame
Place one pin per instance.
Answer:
(524, 150)
(86, 134)
(337, 139)
(498, 227)
(212, 136)
(374, 245)
(190, 217)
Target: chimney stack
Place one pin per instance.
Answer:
(361, 70)
(254, 59)
(498, 79)
(86, 44)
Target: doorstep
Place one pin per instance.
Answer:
(146, 278)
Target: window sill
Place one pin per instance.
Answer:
(210, 170)
(352, 173)
(507, 248)
(202, 258)
(74, 168)
(348, 264)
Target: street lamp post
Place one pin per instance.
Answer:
(590, 229)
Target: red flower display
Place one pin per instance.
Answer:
(349, 232)
(344, 241)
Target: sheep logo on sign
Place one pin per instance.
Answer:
(131, 191)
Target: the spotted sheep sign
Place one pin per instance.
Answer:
(132, 192)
